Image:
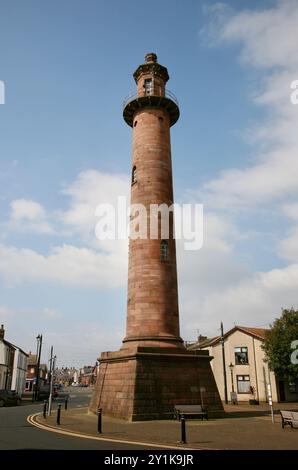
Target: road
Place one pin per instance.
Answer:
(16, 433)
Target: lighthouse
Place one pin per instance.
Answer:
(152, 301)
(152, 371)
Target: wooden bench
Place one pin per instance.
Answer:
(289, 418)
(190, 411)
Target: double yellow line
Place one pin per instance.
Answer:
(32, 419)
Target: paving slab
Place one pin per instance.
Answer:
(244, 427)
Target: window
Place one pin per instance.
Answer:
(164, 250)
(32, 370)
(134, 175)
(148, 86)
(293, 387)
(243, 384)
(135, 123)
(241, 356)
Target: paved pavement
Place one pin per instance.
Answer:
(17, 433)
(244, 427)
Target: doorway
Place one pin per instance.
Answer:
(281, 390)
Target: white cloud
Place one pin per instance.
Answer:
(91, 340)
(26, 209)
(269, 41)
(254, 300)
(65, 264)
(288, 247)
(291, 210)
(271, 181)
(91, 188)
(28, 216)
(268, 36)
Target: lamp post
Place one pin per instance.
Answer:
(222, 341)
(233, 394)
(231, 367)
(38, 354)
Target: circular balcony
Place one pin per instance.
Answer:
(133, 102)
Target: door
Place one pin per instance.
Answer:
(281, 390)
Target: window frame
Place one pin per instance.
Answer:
(237, 361)
(243, 381)
(148, 86)
(293, 387)
(164, 251)
(134, 173)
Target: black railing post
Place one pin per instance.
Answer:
(58, 414)
(45, 409)
(99, 420)
(183, 430)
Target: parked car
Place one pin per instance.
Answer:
(44, 392)
(9, 398)
(58, 386)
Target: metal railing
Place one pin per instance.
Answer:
(134, 96)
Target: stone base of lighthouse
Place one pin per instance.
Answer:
(146, 382)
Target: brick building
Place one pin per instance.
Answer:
(32, 373)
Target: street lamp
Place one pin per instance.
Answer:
(231, 367)
(38, 354)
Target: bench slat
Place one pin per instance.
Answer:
(190, 410)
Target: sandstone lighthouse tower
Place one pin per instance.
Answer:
(152, 371)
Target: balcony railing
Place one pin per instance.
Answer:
(134, 96)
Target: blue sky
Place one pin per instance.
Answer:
(67, 66)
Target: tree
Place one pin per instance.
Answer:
(280, 344)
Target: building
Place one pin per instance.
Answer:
(87, 375)
(32, 373)
(247, 372)
(66, 375)
(13, 365)
(153, 370)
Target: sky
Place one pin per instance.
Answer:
(64, 148)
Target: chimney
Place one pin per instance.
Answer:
(201, 338)
(2, 332)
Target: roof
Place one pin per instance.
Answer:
(10, 345)
(202, 344)
(32, 361)
(258, 333)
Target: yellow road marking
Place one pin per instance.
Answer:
(31, 420)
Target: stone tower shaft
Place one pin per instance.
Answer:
(152, 304)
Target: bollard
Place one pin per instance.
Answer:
(99, 420)
(183, 430)
(65, 404)
(45, 409)
(58, 414)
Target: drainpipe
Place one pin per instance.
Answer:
(256, 374)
